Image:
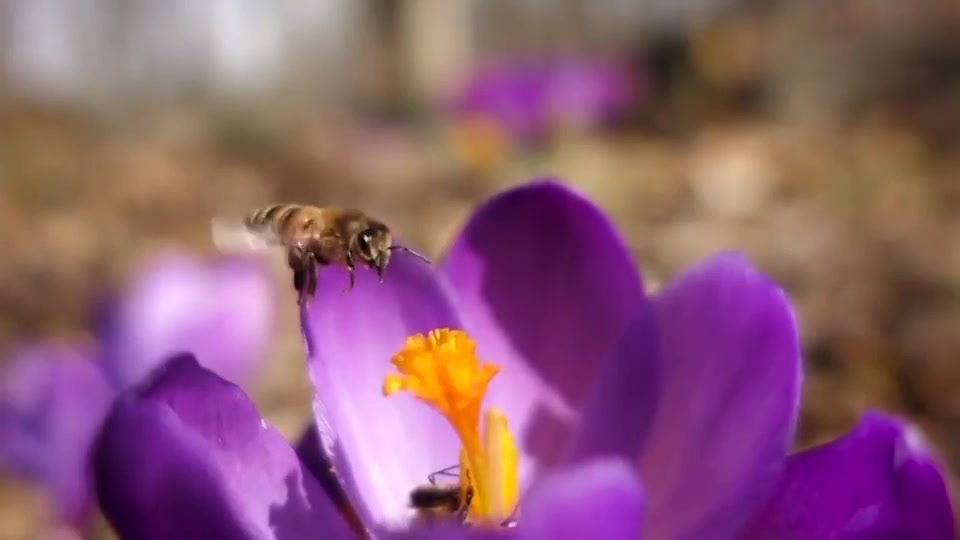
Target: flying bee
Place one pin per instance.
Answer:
(313, 237)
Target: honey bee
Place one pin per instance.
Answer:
(313, 237)
(434, 503)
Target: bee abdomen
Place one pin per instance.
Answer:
(274, 216)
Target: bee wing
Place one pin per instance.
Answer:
(236, 237)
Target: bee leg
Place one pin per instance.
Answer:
(348, 259)
(300, 285)
(448, 471)
(311, 269)
(305, 267)
(464, 509)
(297, 262)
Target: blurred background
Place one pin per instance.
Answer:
(823, 138)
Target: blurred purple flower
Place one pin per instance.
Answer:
(528, 99)
(695, 392)
(55, 397)
(223, 313)
(591, 92)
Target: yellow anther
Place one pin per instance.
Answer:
(443, 370)
(502, 460)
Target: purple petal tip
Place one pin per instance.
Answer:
(546, 285)
(731, 384)
(880, 481)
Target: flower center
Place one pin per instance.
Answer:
(442, 369)
(481, 142)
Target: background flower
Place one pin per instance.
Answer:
(52, 404)
(55, 399)
(529, 99)
(224, 313)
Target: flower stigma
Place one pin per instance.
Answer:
(442, 369)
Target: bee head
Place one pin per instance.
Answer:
(374, 246)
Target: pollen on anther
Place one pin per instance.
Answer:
(441, 368)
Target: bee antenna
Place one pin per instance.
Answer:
(415, 253)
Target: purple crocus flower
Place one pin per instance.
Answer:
(622, 415)
(224, 313)
(525, 99)
(53, 399)
(509, 96)
(56, 396)
(588, 92)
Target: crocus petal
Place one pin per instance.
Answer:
(546, 286)
(620, 410)
(187, 455)
(729, 398)
(383, 447)
(451, 532)
(319, 462)
(877, 482)
(222, 313)
(601, 498)
(54, 400)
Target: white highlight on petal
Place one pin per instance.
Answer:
(863, 518)
(909, 446)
